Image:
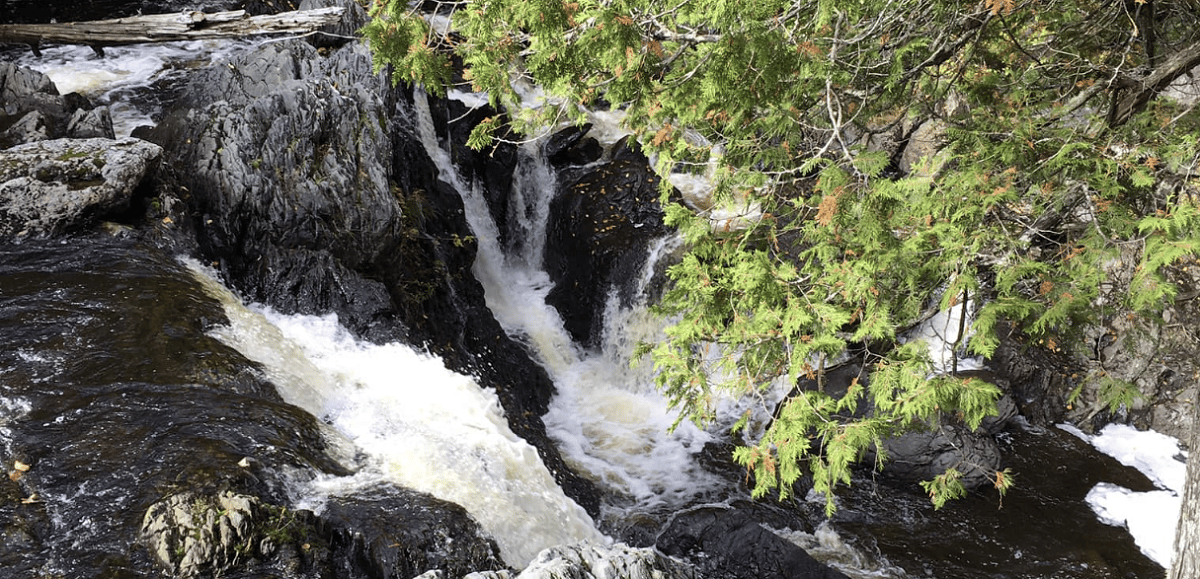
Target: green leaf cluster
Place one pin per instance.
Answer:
(1049, 157)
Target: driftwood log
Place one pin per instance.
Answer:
(187, 25)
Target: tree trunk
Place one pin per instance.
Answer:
(1186, 564)
(187, 25)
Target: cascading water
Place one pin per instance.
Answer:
(418, 424)
(607, 418)
(399, 416)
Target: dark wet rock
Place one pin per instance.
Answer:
(728, 543)
(921, 456)
(32, 110)
(342, 32)
(394, 532)
(599, 230)
(284, 157)
(491, 170)
(24, 521)
(50, 187)
(1040, 379)
(572, 147)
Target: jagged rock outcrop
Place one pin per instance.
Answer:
(285, 160)
(311, 190)
(599, 231)
(51, 187)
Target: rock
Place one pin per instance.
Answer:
(728, 543)
(90, 123)
(192, 534)
(571, 147)
(346, 30)
(920, 456)
(34, 111)
(286, 158)
(587, 561)
(50, 187)
(599, 231)
(392, 532)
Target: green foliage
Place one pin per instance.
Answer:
(1055, 159)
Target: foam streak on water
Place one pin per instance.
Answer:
(420, 425)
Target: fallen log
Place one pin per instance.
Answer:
(187, 25)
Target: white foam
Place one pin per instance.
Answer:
(13, 409)
(1150, 452)
(1151, 516)
(472, 100)
(827, 546)
(422, 427)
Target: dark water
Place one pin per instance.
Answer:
(1042, 529)
(114, 397)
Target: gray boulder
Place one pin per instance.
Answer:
(32, 110)
(51, 187)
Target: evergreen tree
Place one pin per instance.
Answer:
(1053, 158)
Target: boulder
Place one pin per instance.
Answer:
(923, 455)
(730, 544)
(32, 110)
(50, 187)
(393, 532)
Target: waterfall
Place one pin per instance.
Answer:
(608, 419)
(418, 424)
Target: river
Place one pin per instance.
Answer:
(113, 347)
